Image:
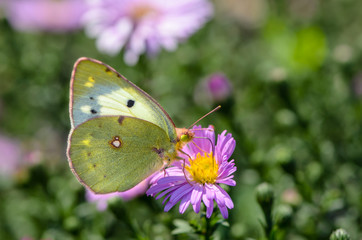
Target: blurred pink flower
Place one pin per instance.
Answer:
(102, 199)
(15, 158)
(144, 25)
(214, 89)
(10, 156)
(45, 15)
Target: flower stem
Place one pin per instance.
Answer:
(269, 225)
(265, 198)
(208, 231)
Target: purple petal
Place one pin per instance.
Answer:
(156, 189)
(210, 194)
(111, 43)
(171, 179)
(196, 193)
(219, 196)
(224, 211)
(209, 211)
(169, 205)
(225, 147)
(229, 147)
(227, 199)
(180, 192)
(196, 197)
(229, 182)
(54, 16)
(165, 192)
(206, 201)
(185, 202)
(174, 171)
(229, 203)
(209, 204)
(225, 169)
(167, 197)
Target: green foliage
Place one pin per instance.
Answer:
(295, 112)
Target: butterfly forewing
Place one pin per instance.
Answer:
(98, 90)
(109, 153)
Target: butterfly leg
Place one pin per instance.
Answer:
(166, 163)
(184, 164)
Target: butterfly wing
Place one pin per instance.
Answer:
(99, 90)
(115, 153)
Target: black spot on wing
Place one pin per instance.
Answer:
(130, 103)
(93, 111)
(91, 98)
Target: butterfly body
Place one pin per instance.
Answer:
(120, 135)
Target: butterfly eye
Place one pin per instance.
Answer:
(185, 138)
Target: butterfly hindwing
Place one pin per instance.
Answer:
(98, 90)
(115, 153)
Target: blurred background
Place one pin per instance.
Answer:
(288, 75)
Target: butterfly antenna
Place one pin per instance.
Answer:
(215, 109)
(202, 129)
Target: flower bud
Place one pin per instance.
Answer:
(339, 234)
(265, 195)
(283, 215)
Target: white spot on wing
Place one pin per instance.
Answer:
(116, 143)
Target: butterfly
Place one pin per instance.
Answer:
(119, 134)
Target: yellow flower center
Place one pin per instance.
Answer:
(141, 11)
(203, 169)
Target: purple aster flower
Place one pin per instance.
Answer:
(143, 25)
(215, 88)
(45, 15)
(199, 181)
(102, 199)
